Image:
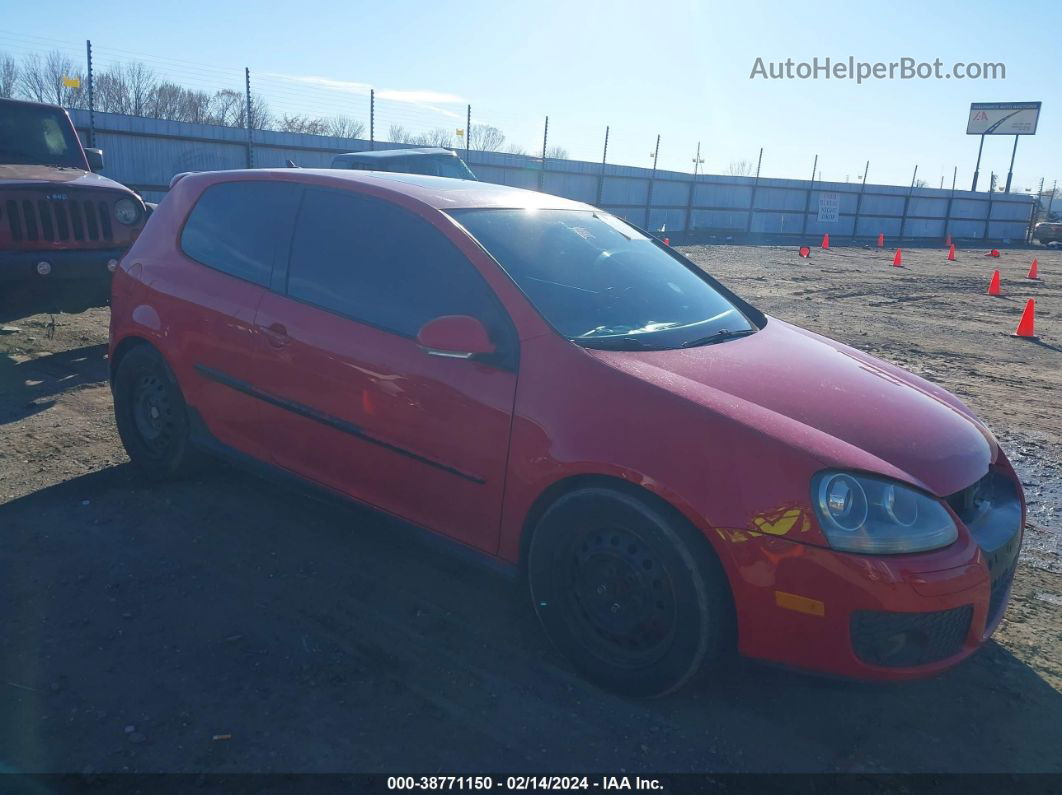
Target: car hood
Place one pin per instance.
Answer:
(15, 175)
(843, 406)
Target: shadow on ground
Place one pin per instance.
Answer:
(143, 621)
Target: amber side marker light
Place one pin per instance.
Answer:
(801, 604)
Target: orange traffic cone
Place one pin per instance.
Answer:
(1034, 270)
(993, 253)
(951, 253)
(881, 240)
(993, 286)
(826, 240)
(1028, 320)
(948, 242)
(897, 261)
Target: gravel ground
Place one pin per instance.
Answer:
(224, 625)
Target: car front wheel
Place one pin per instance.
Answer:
(628, 591)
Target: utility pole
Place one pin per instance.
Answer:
(372, 118)
(697, 160)
(468, 132)
(545, 142)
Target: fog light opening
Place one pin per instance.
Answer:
(895, 645)
(44, 268)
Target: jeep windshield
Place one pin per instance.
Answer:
(38, 135)
(602, 283)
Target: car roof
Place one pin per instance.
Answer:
(442, 193)
(386, 154)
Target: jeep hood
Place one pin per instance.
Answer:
(844, 407)
(30, 176)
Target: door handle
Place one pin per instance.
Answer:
(275, 334)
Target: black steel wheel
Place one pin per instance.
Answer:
(151, 415)
(628, 590)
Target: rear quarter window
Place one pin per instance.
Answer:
(242, 228)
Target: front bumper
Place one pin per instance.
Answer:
(873, 617)
(22, 266)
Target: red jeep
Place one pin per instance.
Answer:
(57, 218)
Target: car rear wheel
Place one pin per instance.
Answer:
(151, 415)
(629, 592)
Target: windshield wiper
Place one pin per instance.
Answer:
(719, 336)
(617, 344)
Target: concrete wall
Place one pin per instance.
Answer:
(146, 153)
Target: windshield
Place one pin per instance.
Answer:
(602, 283)
(435, 166)
(38, 135)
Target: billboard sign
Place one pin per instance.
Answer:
(1003, 118)
(829, 206)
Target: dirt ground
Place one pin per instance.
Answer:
(224, 625)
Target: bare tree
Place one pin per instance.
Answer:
(302, 124)
(195, 107)
(141, 83)
(739, 168)
(8, 76)
(440, 136)
(398, 134)
(229, 108)
(344, 127)
(485, 138)
(110, 91)
(515, 149)
(920, 183)
(45, 79)
(557, 152)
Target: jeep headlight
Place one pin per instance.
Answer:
(876, 516)
(126, 211)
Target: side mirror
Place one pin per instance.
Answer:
(455, 336)
(95, 159)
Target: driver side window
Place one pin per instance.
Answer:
(379, 264)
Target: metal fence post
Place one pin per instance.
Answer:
(1035, 211)
(91, 94)
(752, 199)
(652, 177)
(468, 132)
(545, 142)
(859, 202)
(601, 176)
(951, 198)
(991, 190)
(250, 133)
(372, 118)
(906, 203)
(807, 197)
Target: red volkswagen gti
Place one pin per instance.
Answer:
(536, 379)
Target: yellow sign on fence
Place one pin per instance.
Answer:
(72, 82)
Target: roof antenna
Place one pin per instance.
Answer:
(290, 163)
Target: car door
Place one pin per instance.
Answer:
(228, 246)
(354, 402)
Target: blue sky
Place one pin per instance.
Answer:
(673, 67)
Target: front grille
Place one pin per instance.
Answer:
(992, 510)
(901, 640)
(56, 221)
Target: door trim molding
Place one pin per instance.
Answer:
(326, 419)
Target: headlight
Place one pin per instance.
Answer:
(871, 515)
(126, 211)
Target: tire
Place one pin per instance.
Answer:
(629, 591)
(152, 417)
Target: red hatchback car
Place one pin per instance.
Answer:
(536, 379)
